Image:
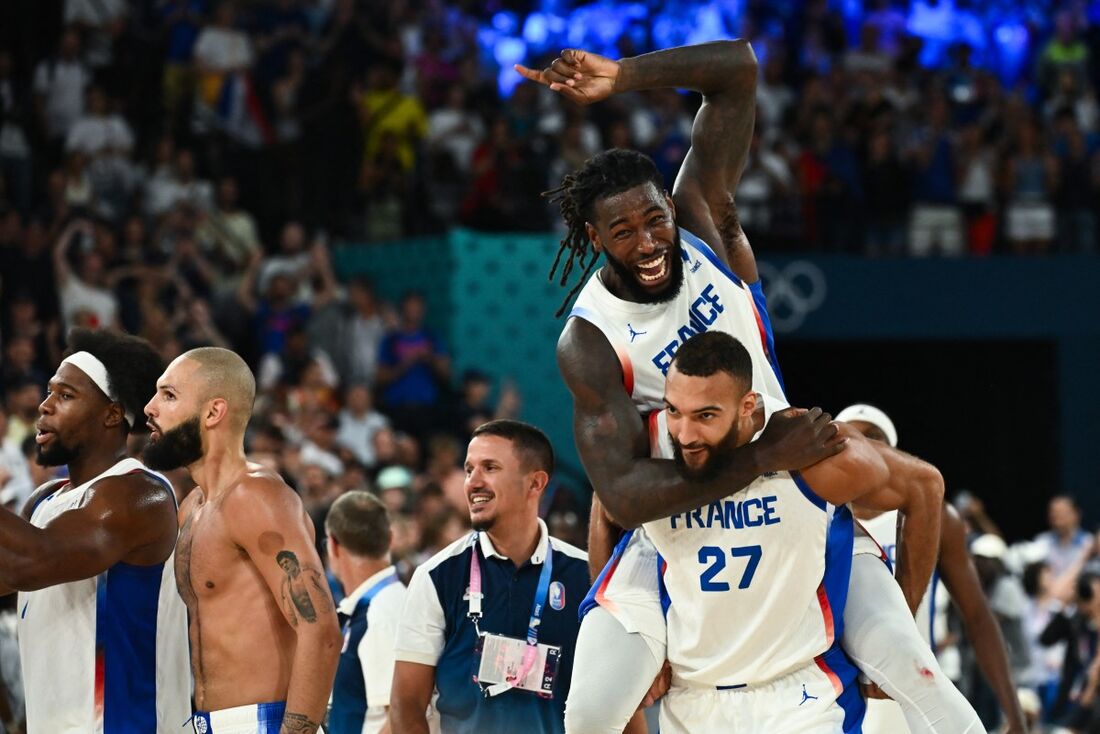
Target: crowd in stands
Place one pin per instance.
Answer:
(179, 168)
(1045, 595)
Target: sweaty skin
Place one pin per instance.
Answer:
(243, 644)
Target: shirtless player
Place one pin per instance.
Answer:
(264, 637)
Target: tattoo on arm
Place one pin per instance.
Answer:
(298, 724)
(302, 585)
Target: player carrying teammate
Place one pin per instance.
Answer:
(102, 631)
(264, 637)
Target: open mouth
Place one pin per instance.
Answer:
(479, 499)
(653, 270)
(42, 436)
(154, 432)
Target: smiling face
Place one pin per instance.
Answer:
(708, 417)
(73, 415)
(499, 487)
(636, 230)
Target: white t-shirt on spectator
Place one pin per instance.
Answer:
(95, 134)
(62, 83)
(223, 49)
(96, 13)
(77, 296)
(443, 133)
(356, 434)
(19, 486)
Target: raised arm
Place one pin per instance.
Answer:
(614, 446)
(61, 268)
(124, 519)
(875, 475)
(961, 579)
(724, 72)
(272, 527)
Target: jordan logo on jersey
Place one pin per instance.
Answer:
(806, 696)
(634, 334)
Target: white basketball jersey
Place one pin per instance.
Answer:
(931, 615)
(645, 336)
(107, 654)
(756, 583)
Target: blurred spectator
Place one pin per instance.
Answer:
(98, 130)
(228, 230)
(21, 400)
(16, 163)
(887, 197)
(455, 129)
(359, 421)
(977, 189)
(1046, 660)
(1030, 178)
(1010, 605)
(1075, 628)
(59, 84)
(1078, 185)
(16, 483)
(413, 370)
(1065, 52)
(181, 21)
(935, 222)
(394, 484)
(220, 50)
(20, 363)
(85, 299)
(386, 110)
(1065, 543)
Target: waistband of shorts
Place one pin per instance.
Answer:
(254, 714)
(811, 668)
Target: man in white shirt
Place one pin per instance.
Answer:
(97, 131)
(59, 87)
(359, 537)
(359, 422)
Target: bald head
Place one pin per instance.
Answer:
(223, 374)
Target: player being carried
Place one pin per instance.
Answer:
(678, 265)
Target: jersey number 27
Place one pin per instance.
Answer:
(716, 558)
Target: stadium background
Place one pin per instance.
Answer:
(922, 192)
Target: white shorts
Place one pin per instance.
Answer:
(1030, 221)
(807, 701)
(256, 718)
(884, 717)
(628, 589)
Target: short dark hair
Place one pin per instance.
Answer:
(531, 444)
(358, 521)
(714, 351)
(133, 366)
(285, 555)
(1032, 573)
(604, 174)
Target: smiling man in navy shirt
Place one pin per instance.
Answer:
(508, 590)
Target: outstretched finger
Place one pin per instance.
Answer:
(532, 74)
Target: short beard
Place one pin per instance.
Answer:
(637, 293)
(181, 446)
(483, 525)
(56, 455)
(718, 458)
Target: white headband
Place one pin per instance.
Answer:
(90, 365)
(874, 416)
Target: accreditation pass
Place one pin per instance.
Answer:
(502, 658)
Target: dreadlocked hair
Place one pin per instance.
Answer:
(133, 366)
(604, 174)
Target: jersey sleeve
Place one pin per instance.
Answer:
(420, 632)
(376, 650)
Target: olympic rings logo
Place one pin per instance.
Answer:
(793, 292)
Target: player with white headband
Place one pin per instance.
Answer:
(102, 630)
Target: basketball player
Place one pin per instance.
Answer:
(264, 637)
(102, 631)
(772, 560)
(956, 571)
(662, 284)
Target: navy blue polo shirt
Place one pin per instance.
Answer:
(435, 630)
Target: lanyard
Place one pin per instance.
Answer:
(541, 592)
